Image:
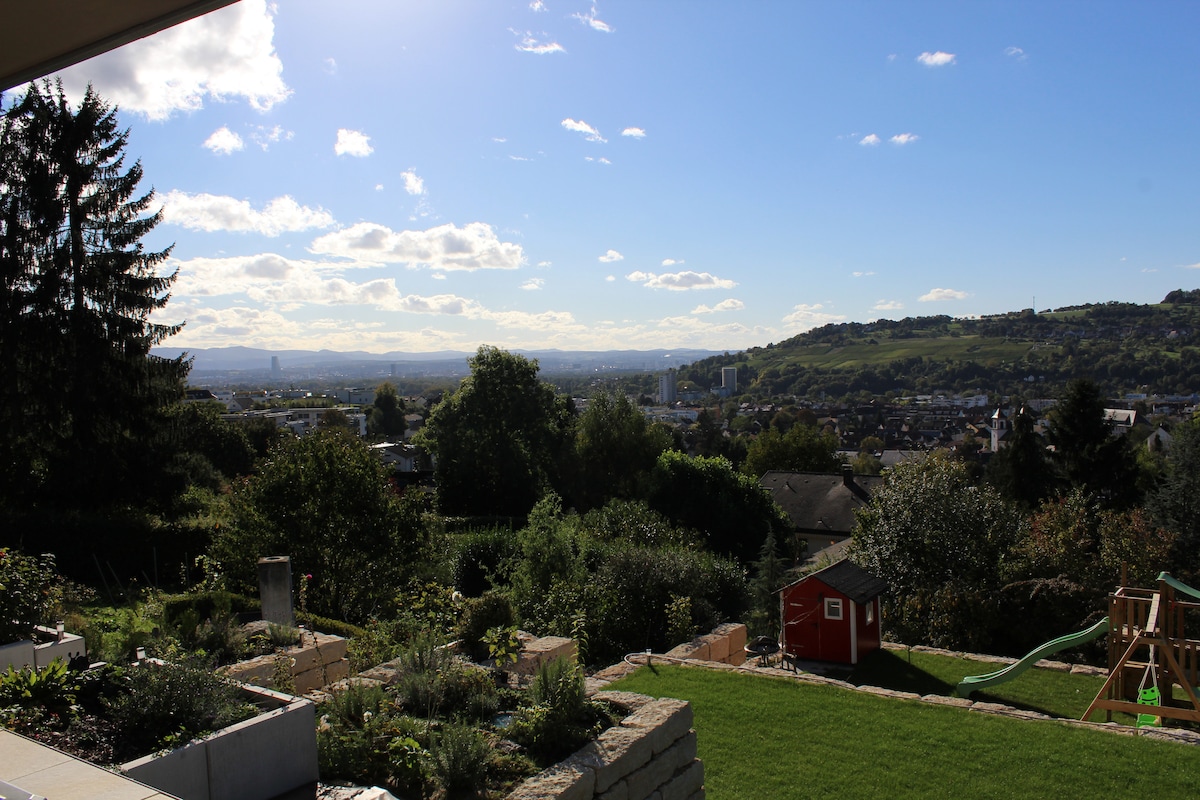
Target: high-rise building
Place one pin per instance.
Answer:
(729, 380)
(666, 388)
(276, 369)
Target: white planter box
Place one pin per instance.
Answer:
(272, 753)
(41, 650)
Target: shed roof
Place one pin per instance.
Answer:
(850, 579)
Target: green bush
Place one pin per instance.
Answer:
(165, 705)
(29, 593)
(460, 757)
(52, 688)
(480, 614)
(559, 718)
(481, 558)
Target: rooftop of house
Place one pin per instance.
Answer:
(849, 579)
(821, 502)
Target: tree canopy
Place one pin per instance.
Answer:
(498, 441)
(81, 393)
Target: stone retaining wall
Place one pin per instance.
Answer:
(650, 754)
(319, 660)
(725, 645)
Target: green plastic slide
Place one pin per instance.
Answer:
(974, 683)
(1179, 586)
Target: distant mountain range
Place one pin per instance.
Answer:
(255, 361)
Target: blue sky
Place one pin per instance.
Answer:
(422, 176)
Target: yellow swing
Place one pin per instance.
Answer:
(1150, 695)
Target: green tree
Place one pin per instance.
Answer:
(500, 440)
(77, 289)
(1086, 453)
(386, 417)
(615, 449)
(325, 500)
(804, 448)
(940, 542)
(1021, 470)
(733, 512)
(1175, 505)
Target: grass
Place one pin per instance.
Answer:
(769, 737)
(1059, 694)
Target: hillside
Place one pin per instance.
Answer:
(1124, 347)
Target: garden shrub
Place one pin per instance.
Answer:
(559, 718)
(492, 610)
(481, 558)
(460, 757)
(165, 705)
(30, 589)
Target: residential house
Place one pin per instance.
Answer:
(821, 506)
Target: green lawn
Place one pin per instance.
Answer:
(776, 738)
(1059, 694)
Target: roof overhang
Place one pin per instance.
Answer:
(41, 37)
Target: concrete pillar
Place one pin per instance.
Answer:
(275, 589)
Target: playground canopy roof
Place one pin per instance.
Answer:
(38, 38)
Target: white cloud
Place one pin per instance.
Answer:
(443, 248)
(519, 158)
(870, 140)
(1015, 52)
(537, 5)
(412, 183)
(610, 278)
(1192, 266)
(532, 44)
(579, 126)
(224, 141)
(725, 305)
(499, 139)
(862, 274)
(330, 65)
(210, 212)
(264, 137)
(888, 305)
(938, 59)
(600, 160)
(680, 281)
(611, 256)
(379, 187)
(533, 284)
(904, 138)
(938, 295)
(592, 22)
(636, 133)
(670, 262)
(806, 317)
(223, 55)
(352, 143)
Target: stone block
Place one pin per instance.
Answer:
(737, 656)
(542, 650)
(700, 650)
(614, 754)
(618, 791)
(718, 647)
(681, 651)
(662, 768)
(942, 700)
(566, 780)
(686, 783)
(879, 690)
(318, 677)
(615, 672)
(736, 633)
(664, 721)
(630, 701)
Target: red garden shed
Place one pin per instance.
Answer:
(832, 614)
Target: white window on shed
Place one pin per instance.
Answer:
(833, 608)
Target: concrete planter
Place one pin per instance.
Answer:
(260, 758)
(42, 649)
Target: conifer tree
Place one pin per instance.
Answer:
(81, 393)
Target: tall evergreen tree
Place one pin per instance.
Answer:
(1021, 471)
(81, 393)
(1086, 453)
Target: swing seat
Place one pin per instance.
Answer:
(1150, 696)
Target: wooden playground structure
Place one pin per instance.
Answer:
(1153, 667)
